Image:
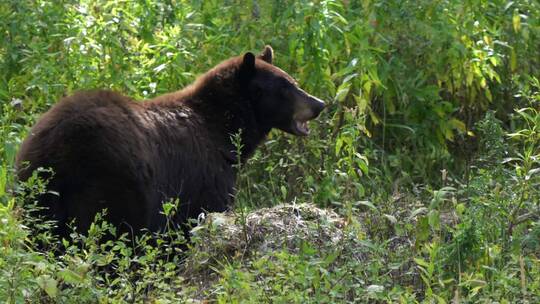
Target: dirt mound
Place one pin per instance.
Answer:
(268, 229)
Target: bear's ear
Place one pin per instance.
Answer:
(247, 68)
(267, 54)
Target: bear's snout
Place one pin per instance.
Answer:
(317, 105)
(307, 107)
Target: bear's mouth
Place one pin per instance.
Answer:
(306, 108)
(301, 127)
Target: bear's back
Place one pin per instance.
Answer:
(80, 130)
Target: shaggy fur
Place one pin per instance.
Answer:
(108, 151)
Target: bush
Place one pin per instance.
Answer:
(428, 151)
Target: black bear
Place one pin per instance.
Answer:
(108, 151)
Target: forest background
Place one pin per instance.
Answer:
(428, 151)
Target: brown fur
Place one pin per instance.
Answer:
(108, 151)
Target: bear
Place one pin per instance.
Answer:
(108, 151)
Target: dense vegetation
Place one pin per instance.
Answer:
(429, 148)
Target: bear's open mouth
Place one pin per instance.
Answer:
(301, 127)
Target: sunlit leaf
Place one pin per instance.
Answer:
(391, 218)
(421, 262)
(375, 288)
(516, 20)
(418, 211)
(70, 276)
(367, 204)
(488, 94)
(48, 284)
(458, 124)
(342, 91)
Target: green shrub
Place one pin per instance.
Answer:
(429, 142)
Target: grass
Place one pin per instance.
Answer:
(421, 177)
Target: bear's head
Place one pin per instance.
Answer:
(277, 100)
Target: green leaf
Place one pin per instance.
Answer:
(48, 284)
(160, 68)
(367, 204)
(70, 276)
(375, 289)
(391, 218)
(3, 180)
(516, 20)
(488, 94)
(367, 87)
(434, 219)
(283, 191)
(458, 124)
(329, 259)
(362, 162)
(417, 211)
(460, 209)
(513, 60)
(339, 145)
(448, 134)
(421, 262)
(400, 126)
(361, 103)
(349, 78)
(422, 229)
(342, 91)
(531, 173)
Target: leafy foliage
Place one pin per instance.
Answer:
(430, 141)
